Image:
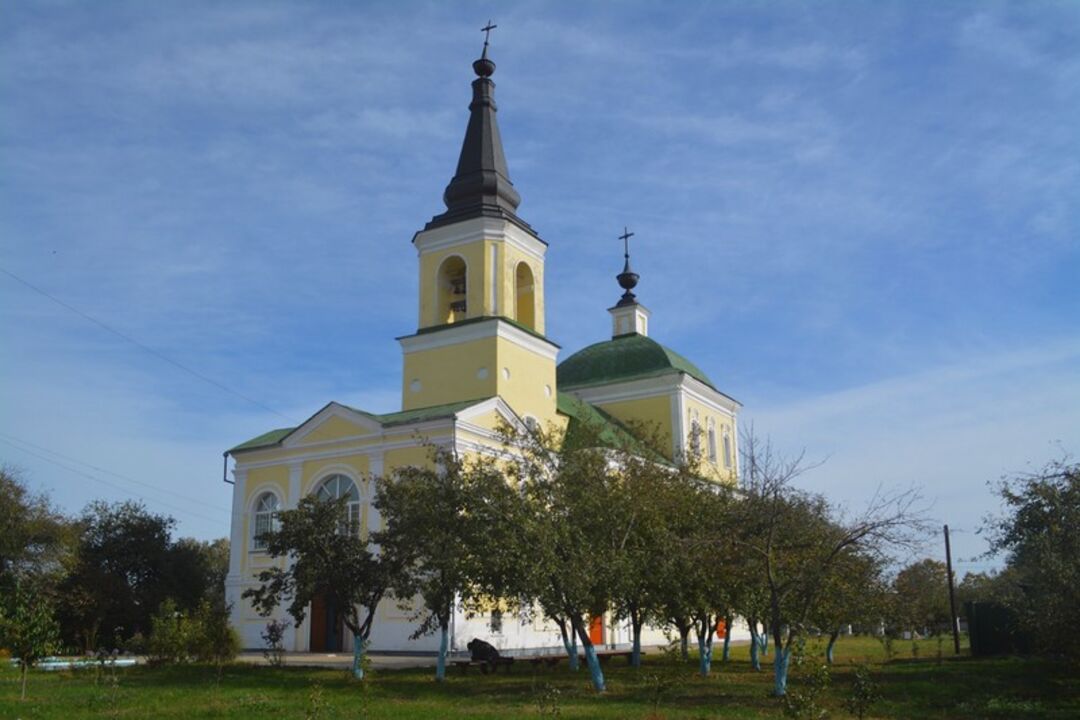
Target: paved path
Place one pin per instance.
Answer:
(342, 660)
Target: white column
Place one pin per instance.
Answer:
(234, 580)
(296, 472)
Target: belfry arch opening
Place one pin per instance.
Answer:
(451, 291)
(525, 296)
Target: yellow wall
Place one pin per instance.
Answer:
(651, 412)
(449, 374)
(335, 428)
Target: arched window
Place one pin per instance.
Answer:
(525, 303)
(712, 440)
(727, 449)
(339, 486)
(451, 290)
(265, 520)
(695, 434)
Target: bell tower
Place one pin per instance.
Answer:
(481, 306)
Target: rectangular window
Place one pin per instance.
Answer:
(496, 621)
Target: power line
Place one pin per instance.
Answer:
(143, 347)
(109, 472)
(112, 485)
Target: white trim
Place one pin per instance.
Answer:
(477, 229)
(353, 450)
(348, 471)
(491, 327)
(662, 385)
(677, 431)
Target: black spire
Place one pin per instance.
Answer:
(627, 278)
(481, 186)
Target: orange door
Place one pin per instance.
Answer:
(596, 630)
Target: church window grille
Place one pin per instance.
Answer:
(336, 487)
(266, 510)
(727, 450)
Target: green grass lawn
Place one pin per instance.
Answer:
(910, 687)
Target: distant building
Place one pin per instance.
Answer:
(479, 357)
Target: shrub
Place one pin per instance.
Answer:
(204, 636)
(864, 692)
(273, 635)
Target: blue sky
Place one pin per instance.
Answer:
(860, 219)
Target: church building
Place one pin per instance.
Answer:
(479, 357)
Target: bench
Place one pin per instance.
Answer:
(484, 665)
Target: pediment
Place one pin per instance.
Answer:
(333, 423)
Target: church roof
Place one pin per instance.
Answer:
(624, 357)
(404, 417)
(481, 185)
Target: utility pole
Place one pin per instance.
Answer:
(953, 619)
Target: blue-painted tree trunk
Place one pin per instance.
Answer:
(755, 647)
(591, 660)
(764, 640)
(684, 642)
(727, 638)
(358, 657)
(635, 652)
(704, 634)
(781, 660)
(569, 641)
(829, 648)
(440, 664)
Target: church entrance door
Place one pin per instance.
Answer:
(326, 625)
(596, 629)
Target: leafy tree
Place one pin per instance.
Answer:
(566, 559)
(922, 596)
(119, 576)
(647, 495)
(327, 557)
(28, 628)
(853, 595)
(450, 526)
(1040, 538)
(797, 542)
(34, 536)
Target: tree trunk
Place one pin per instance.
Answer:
(569, 641)
(635, 628)
(704, 629)
(593, 662)
(358, 656)
(727, 637)
(25, 667)
(755, 646)
(832, 643)
(781, 659)
(764, 639)
(684, 641)
(440, 664)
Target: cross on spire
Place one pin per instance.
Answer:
(625, 237)
(487, 36)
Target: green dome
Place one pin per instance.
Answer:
(626, 357)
